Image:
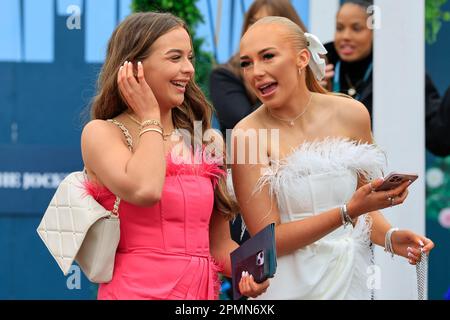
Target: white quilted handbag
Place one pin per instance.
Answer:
(76, 227)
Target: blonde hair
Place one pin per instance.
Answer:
(282, 8)
(295, 36)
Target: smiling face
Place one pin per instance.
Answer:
(169, 68)
(270, 63)
(353, 39)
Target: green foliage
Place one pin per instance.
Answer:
(434, 17)
(185, 9)
(438, 197)
(188, 11)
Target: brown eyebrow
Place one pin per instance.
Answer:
(260, 52)
(176, 51)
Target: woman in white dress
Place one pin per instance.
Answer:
(316, 182)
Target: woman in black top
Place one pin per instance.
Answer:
(437, 112)
(350, 64)
(350, 55)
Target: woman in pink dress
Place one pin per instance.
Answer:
(175, 207)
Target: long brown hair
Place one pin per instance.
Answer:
(132, 41)
(281, 8)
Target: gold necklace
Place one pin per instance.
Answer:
(165, 135)
(291, 122)
(134, 119)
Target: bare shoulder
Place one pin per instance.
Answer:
(253, 121)
(352, 111)
(350, 114)
(96, 129)
(100, 133)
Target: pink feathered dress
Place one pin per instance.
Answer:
(163, 251)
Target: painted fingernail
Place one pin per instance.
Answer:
(140, 63)
(410, 261)
(243, 274)
(421, 243)
(410, 255)
(409, 249)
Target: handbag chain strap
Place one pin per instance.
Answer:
(129, 140)
(422, 274)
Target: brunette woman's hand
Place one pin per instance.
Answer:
(366, 199)
(249, 288)
(136, 92)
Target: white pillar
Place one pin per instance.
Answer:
(322, 18)
(399, 120)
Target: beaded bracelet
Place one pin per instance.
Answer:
(151, 122)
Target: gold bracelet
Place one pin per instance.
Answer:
(151, 122)
(151, 129)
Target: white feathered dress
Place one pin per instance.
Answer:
(316, 177)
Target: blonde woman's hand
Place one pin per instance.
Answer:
(249, 288)
(410, 245)
(136, 92)
(366, 199)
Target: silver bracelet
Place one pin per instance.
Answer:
(345, 218)
(388, 241)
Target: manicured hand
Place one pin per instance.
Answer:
(366, 199)
(407, 244)
(136, 92)
(248, 287)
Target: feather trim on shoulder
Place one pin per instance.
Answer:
(328, 155)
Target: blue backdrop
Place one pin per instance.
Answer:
(47, 78)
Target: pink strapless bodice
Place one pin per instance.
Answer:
(163, 251)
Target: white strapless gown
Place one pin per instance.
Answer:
(314, 178)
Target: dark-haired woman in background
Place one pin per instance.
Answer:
(350, 55)
(350, 70)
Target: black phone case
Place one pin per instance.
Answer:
(257, 255)
(256, 265)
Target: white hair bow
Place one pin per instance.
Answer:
(316, 63)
